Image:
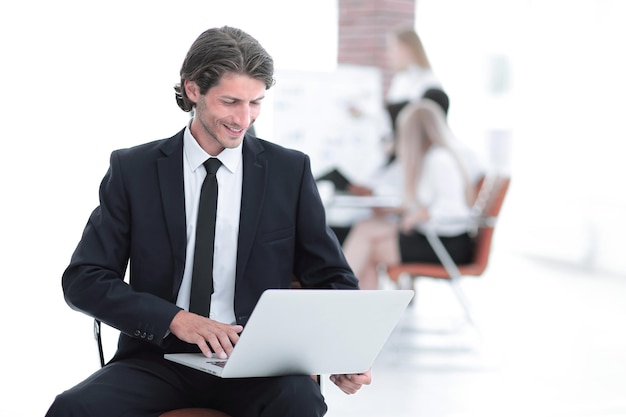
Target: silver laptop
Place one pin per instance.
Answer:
(309, 332)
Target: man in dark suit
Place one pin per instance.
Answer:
(270, 228)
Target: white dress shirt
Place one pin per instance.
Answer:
(229, 180)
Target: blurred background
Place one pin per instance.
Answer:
(536, 87)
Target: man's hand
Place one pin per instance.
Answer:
(351, 383)
(192, 328)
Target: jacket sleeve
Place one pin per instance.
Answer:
(94, 283)
(319, 260)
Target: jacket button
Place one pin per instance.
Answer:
(143, 335)
(137, 332)
(150, 336)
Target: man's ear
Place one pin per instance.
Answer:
(192, 90)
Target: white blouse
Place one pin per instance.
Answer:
(441, 190)
(411, 84)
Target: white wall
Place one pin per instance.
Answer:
(563, 108)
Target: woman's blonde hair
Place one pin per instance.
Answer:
(421, 125)
(409, 38)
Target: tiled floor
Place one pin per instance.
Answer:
(550, 341)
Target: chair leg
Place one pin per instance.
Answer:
(463, 300)
(407, 282)
(453, 272)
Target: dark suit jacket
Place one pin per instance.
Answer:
(141, 219)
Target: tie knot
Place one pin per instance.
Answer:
(212, 165)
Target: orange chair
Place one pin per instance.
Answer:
(490, 196)
(194, 412)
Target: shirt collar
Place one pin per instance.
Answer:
(230, 157)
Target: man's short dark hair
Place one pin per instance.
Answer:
(218, 51)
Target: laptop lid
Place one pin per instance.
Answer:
(307, 332)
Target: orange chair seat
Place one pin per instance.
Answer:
(194, 412)
(490, 193)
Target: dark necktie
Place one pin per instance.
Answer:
(202, 277)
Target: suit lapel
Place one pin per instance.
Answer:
(252, 196)
(170, 170)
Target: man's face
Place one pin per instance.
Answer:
(226, 111)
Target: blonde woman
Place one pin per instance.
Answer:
(436, 187)
(412, 77)
(413, 74)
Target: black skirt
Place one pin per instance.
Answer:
(414, 247)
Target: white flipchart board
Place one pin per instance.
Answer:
(336, 117)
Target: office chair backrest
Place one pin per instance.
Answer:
(490, 196)
(488, 204)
